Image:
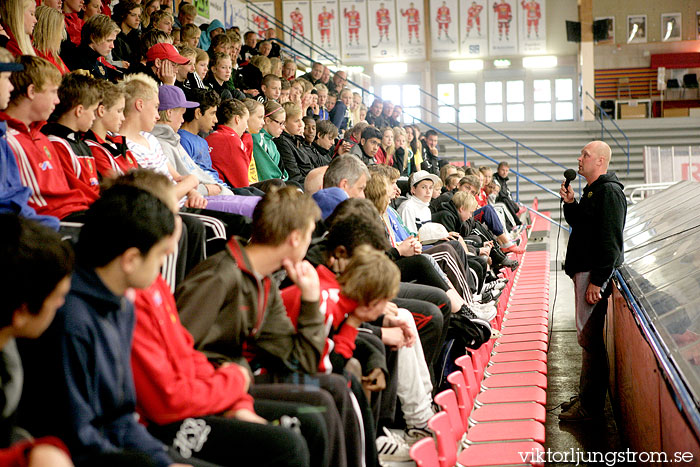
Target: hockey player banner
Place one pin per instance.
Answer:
(382, 29)
(261, 21)
(444, 28)
(235, 14)
(503, 27)
(532, 24)
(324, 14)
(353, 31)
(296, 16)
(411, 30)
(474, 27)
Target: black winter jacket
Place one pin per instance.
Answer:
(597, 221)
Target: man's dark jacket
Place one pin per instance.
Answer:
(597, 222)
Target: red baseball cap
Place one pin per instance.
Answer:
(165, 51)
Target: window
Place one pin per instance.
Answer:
(493, 92)
(494, 113)
(542, 90)
(467, 101)
(411, 112)
(467, 114)
(446, 96)
(515, 91)
(411, 100)
(543, 111)
(467, 93)
(391, 92)
(446, 114)
(515, 96)
(564, 93)
(515, 112)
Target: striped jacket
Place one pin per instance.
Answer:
(41, 170)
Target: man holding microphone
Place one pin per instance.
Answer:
(593, 253)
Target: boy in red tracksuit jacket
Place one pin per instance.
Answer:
(40, 166)
(112, 156)
(229, 155)
(359, 294)
(79, 96)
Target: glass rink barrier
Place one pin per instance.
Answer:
(653, 326)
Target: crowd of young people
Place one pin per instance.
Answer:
(301, 322)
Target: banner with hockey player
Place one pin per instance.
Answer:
(324, 14)
(474, 28)
(411, 22)
(296, 16)
(532, 26)
(260, 21)
(503, 27)
(444, 28)
(353, 31)
(382, 29)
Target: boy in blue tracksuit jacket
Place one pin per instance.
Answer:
(79, 384)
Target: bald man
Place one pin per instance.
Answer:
(314, 180)
(593, 253)
(340, 78)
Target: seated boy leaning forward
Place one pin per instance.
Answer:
(85, 353)
(32, 100)
(41, 264)
(232, 306)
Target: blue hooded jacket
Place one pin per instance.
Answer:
(13, 195)
(205, 38)
(79, 385)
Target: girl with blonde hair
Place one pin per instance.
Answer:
(50, 32)
(17, 17)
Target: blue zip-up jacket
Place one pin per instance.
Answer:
(13, 195)
(198, 149)
(79, 381)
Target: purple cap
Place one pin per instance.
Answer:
(172, 97)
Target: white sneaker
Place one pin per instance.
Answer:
(485, 312)
(392, 447)
(413, 434)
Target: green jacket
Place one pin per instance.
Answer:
(267, 157)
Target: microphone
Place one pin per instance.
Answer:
(569, 175)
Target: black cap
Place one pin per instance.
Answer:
(11, 66)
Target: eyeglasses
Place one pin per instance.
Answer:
(281, 123)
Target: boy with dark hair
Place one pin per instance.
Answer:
(79, 96)
(84, 356)
(200, 121)
(41, 265)
(229, 155)
(31, 102)
(271, 87)
(326, 133)
(251, 326)
(14, 198)
(370, 142)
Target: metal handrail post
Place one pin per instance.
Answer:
(517, 173)
(465, 156)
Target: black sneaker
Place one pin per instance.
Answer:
(567, 404)
(576, 413)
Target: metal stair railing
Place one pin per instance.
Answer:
(517, 173)
(601, 116)
(518, 144)
(466, 147)
(517, 158)
(307, 43)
